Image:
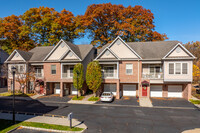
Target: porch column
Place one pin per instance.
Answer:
(118, 90)
(61, 89)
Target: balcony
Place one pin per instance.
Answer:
(38, 75)
(67, 75)
(153, 76)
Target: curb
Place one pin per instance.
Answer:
(44, 129)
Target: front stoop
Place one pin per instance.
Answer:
(145, 102)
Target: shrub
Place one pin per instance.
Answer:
(78, 68)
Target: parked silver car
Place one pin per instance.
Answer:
(107, 97)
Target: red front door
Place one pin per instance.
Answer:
(144, 90)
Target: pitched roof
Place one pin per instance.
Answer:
(149, 50)
(153, 50)
(25, 55)
(39, 53)
(84, 50)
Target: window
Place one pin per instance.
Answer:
(184, 68)
(53, 69)
(108, 71)
(38, 71)
(178, 68)
(151, 69)
(71, 71)
(171, 68)
(21, 69)
(129, 69)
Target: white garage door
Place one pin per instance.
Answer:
(73, 89)
(175, 91)
(110, 88)
(129, 90)
(156, 90)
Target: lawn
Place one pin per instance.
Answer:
(195, 101)
(16, 94)
(6, 125)
(93, 98)
(79, 98)
(194, 94)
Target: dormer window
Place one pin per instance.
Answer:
(178, 50)
(62, 45)
(118, 42)
(16, 54)
(107, 53)
(70, 54)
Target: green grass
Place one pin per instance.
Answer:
(195, 101)
(79, 98)
(6, 125)
(93, 98)
(7, 94)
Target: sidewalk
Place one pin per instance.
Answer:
(145, 102)
(43, 119)
(84, 101)
(21, 98)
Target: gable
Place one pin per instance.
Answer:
(107, 55)
(179, 52)
(70, 56)
(16, 57)
(122, 50)
(59, 51)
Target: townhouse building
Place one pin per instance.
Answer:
(144, 69)
(52, 65)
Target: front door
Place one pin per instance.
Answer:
(144, 90)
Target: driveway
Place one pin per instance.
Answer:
(125, 100)
(171, 102)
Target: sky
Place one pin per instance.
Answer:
(179, 19)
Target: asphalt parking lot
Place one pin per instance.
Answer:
(107, 118)
(123, 101)
(171, 102)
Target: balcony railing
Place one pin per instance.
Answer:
(153, 76)
(39, 75)
(109, 75)
(65, 75)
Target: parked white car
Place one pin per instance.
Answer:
(107, 97)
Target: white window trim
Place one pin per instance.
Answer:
(51, 70)
(181, 68)
(132, 69)
(113, 71)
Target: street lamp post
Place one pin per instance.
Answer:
(13, 72)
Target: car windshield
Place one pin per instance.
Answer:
(106, 94)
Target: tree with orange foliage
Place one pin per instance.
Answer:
(47, 26)
(106, 21)
(10, 30)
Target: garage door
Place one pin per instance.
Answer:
(110, 88)
(129, 90)
(156, 90)
(73, 89)
(175, 91)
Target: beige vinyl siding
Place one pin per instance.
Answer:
(17, 57)
(70, 56)
(107, 54)
(122, 51)
(58, 52)
(175, 76)
(178, 52)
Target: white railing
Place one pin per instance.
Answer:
(65, 75)
(109, 75)
(39, 75)
(153, 76)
